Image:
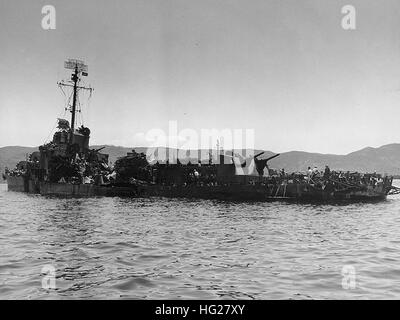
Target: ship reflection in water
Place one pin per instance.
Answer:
(170, 249)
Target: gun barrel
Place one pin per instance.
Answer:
(259, 154)
(273, 157)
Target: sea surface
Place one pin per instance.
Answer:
(120, 248)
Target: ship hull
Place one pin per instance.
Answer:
(16, 183)
(22, 184)
(293, 191)
(84, 190)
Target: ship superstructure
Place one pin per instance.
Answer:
(66, 162)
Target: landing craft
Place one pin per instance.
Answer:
(66, 166)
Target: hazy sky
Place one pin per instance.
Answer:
(286, 69)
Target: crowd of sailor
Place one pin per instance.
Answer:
(136, 169)
(335, 179)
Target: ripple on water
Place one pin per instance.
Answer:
(116, 248)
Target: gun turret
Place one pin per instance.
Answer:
(261, 164)
(98, 150)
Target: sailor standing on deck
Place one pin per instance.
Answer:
(327, 172)
(315, 172)
(309, 174)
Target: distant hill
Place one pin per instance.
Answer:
(385, 159)
(10, 156)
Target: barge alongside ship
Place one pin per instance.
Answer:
(68, 167)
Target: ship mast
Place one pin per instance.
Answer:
(75, 79)
(80, 68)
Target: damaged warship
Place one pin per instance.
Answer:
(252, 179)
(68, 167)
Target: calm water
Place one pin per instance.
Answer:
(112, 248)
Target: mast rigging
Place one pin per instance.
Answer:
(80, 69)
